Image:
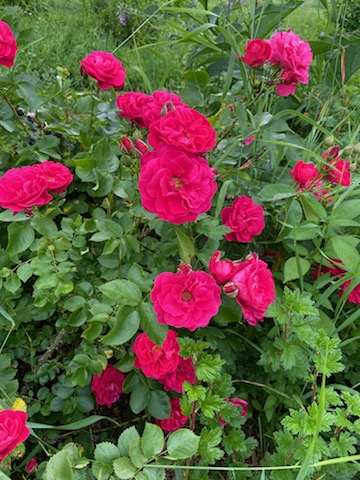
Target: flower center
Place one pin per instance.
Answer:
(178, 184)
(186, 296)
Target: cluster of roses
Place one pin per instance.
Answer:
(310, 179)
(175, 180)
(25, 187)
(285, 51)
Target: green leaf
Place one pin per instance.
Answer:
(136, 455)
(345, 252)
(45, 226)
(159, 405)
(105, 159)
(20, 237)
(124, 468)
(314, 211)
(139, 398)
(143, 279)
(152, 440)
(123, 327)
(291, 268)
(59, 467)
(182, 444)
(276, 192)
(122, 291)
(24, 272)
(209, 439)
(125, 439)
(186, 246)
(156, 332)
(197, 78)
(106, 452)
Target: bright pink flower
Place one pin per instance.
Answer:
(175, 380)
(175, 185)
(294, 56)
(354, 296)
(222, 270)
(257, 52)
(13, 430)
(249, 140)
(237, 402)
(245, 218)
(332, 153)
(185, 300)
(131, 105)
(256, 288)
(23, 188)
(105, 68)
(31, 465)
(304, 172)
(8, 47)
(338, 172)
(176, 420)
(154, 360)
(184, 128)
(57, 176)
(107, 387)
(334, 269)
(159, 104)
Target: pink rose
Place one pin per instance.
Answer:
(107, 387)
(185, 299)
(354, 296)
(159, 104)
(315, 187)
(249, 140)
(222, 270)
(57, 176)
(175, 380)
(256, 289)
(131, 105)
(334, 269)
(184, 128)
(176, 420)
(126, 144)
(304, 172)
(31, 465)
(22, 188)
(156, 361)
(237, 402)
(338, 172)
(8, 47)
(175, 185)
(294, 56)
(13, 430)
(245, 218)
(105, 68)
(256, 53)
(140, 147)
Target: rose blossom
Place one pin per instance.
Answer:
(131, 106)
(31, 465)
(105, 68)
(184, 128)
(249, 140)
(158, 104)
(186, 299)
(354, 296)
(175, 380)
(338, 172)
(22, 188)
(175, 185)
(8, 47)
(237, 402)
(176, 420)
(294, 56)
(245, 218)
(126, 144)
(57, 176)
(156, 361)
(256, 288)
(221, 270)
(303, 172)
(13, 430)
(256, 53)
(107, 386)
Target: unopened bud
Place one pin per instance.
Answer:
(231, 289)
(329, 141)
(184, 268)
(126, 145)
(348, 151)
(357, 148)
(140, 147)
